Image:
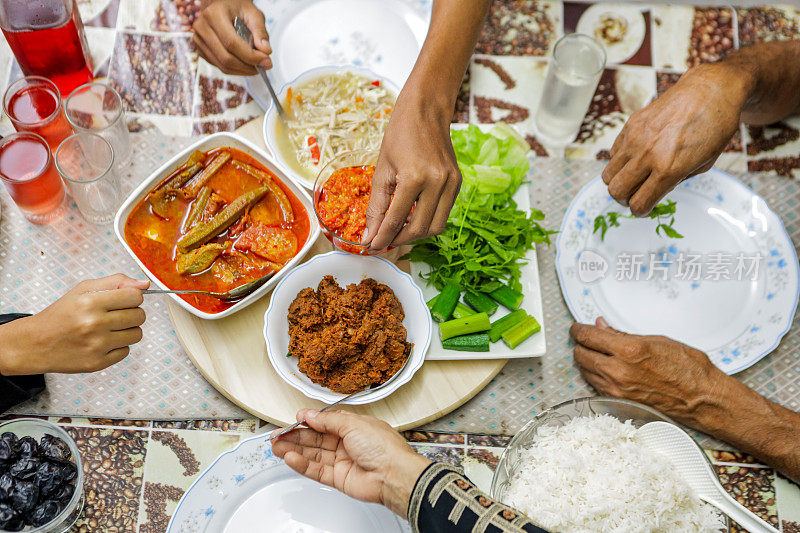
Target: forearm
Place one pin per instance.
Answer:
(740, 416)
(12, 341)
(14, 389)
(452, 34)
(771, 72)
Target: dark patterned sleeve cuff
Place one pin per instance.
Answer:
(444, 500)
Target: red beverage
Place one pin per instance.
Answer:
(34, 104)
(48, 40)
(28, 173)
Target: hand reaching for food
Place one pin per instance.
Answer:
(89, 328)
(219, 44)
(679, 135)
(416, 180)
(359, 455)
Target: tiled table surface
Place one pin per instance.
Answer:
(137, 470)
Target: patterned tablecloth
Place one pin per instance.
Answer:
(145, 50)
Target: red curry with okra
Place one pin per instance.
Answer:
(219, 221)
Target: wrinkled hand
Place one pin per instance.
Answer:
(418, 166)
(654, 370)
(219, 44)
(680, 134)
(89, 328)
(359, 455)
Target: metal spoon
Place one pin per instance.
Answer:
(237, 293)
(244, 33)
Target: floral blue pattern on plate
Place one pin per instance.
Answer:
(729, 287)
(250, 489)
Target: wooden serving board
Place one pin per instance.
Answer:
(232, 355)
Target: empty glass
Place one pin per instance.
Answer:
(572, 77)
(97, 108)
(86, 162)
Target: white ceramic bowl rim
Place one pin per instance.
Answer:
(271, 113)
(401, 377)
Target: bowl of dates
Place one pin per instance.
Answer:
(41, 477)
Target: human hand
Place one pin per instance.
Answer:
(657, 371)
(677, 136)
(418, 166)
(219, 44)
(89, 328)
(359, 455)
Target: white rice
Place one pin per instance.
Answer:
(592, 475)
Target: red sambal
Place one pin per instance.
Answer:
(342, 202)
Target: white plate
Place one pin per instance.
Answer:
(535, 345)
(346, 268)
(204, 144)
(736, 321)
(384, 36)
(269, 128)
(249, 489)
(633, 38)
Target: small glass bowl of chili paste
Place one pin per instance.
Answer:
(341, 196)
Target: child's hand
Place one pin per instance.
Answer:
(88, 329)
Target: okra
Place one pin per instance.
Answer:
(515, 335)
(507, 322)
(464, 326)
(432, 301)
(446, 302)
(478, 342)
(507, 297)
(462, 310)
(480, 302)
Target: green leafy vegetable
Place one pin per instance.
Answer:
(663, 213)
(487, 236)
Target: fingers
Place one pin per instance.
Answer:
(600, 339)
(309, 438)
(336, 423)
(313, 454)
(116, 299)
(310, 469)
(602, 323)
(255, 21)
(383, 184)
(419, 225)
(446, 202)
(589, 359)
(116, 281)
(628, 180)
(613, 167)
(126, 319)
(222, 46)
(650, 193)
(115, 356)
(123, 338)
(404, 197)
(598, 382)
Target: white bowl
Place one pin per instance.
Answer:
(346, 268)
(270, 130)
(209, 142)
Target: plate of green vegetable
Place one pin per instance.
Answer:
(480, 277)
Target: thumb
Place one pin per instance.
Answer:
(379, 200)
(603, 324)
(335, 423)
(115, 281)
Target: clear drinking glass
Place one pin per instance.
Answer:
(86, 162)
(97, 108)
(34, 104)
(572, 77)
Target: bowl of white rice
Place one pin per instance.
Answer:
(578, 467)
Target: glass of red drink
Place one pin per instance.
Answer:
(48, 40)
(29, 176)
(34, 104)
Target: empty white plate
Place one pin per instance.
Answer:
(729, 287)
(384, 37)
(249, 489)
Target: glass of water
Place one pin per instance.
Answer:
(97, 108)
(86, 162)
(572, 77)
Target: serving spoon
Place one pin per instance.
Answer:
(693, 467)
(237, 293)
(244, 33)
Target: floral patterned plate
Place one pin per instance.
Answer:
(249, 489)
(729, 287)
(384, 37)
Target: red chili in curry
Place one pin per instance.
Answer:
(217, 222)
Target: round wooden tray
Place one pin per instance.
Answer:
(232, 355)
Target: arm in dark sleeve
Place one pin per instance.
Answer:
(444, 501)
(17, 389)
